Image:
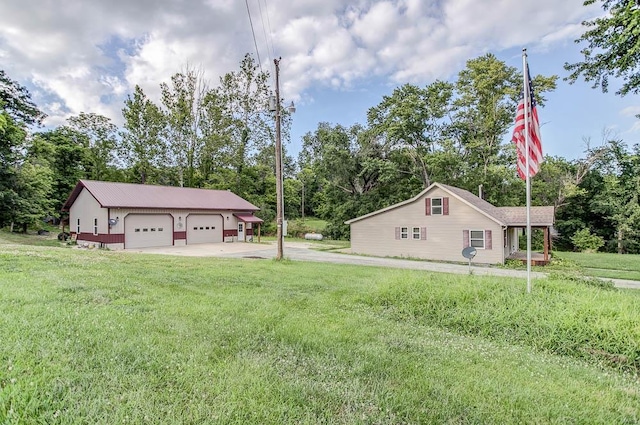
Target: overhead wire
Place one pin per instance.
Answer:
(255, 43)
(273, 51)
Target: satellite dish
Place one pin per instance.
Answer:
(113, 222)
(469, 252)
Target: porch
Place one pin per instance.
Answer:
(537, 258)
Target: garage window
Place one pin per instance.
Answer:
(160, 229)
(95, 226)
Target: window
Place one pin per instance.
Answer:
(195, 228)
(145, 230)
(477, 238)
(160, 229)
(137, 230)
(153, 229)
(95, 226)
(207, 228)
(78, 226)
(416, 233)
(436, 206)
(404, 233)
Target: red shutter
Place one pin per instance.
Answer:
(423, 233)
(487, 239)
(427, 206)
(465, 238)
(445, 206)
(397, 233)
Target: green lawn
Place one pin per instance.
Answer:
(614, 266)
(110, 337)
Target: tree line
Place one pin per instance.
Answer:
(222, 137)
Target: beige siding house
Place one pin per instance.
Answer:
(129, 216)
(440, 222)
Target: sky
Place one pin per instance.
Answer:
(339, 57)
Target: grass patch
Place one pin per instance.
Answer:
(31, 238)
(607, 265)
(110, 337)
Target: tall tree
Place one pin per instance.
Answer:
(12, 139)
(620, 197)
(613, 47)
(411, 120)
(487, 93)
(15, 99)
(67, 150)
(183, 102)
(244, 97)
(17, 112)
(142, 147)
(34, 189)
(100, 135)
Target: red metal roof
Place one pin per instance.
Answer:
(127, 195)
(249, 218)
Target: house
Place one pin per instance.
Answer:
(125, 216)
(441, 221)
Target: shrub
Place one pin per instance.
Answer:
(585, 241)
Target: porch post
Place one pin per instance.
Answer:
(546, 244)
(258, 232)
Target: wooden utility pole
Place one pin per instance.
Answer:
(279, 201)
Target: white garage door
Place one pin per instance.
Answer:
(204, 228)
(147, 230)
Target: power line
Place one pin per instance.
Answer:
(255, 43)
(264, 29)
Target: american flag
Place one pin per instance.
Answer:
(535, 146)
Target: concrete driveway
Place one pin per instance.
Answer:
(301, 251)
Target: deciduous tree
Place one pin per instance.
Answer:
(613, 47)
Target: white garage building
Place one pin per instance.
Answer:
(127, 216)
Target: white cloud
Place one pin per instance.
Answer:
(87, 55)
(630, 111)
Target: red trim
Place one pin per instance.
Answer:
(249, 232)
(427, 206)
(248, 218)
(179, 235)
(445, 206)
(229, 232)
(102, 238)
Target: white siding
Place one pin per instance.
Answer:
(376, 235)
(86, 208)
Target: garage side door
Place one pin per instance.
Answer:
(204, 228)
(147, 230)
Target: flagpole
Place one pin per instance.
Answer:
(527, 111)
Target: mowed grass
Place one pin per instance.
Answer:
(105, 337)
(607, 265)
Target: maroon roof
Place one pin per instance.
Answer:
(249, 218)
(126, 195)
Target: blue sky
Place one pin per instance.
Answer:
(339, 57)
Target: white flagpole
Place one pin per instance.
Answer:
(527, 111)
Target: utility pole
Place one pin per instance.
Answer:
(279, 201)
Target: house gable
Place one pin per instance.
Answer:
(406, 230)
(438, 190)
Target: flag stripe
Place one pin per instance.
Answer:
(535, 145)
